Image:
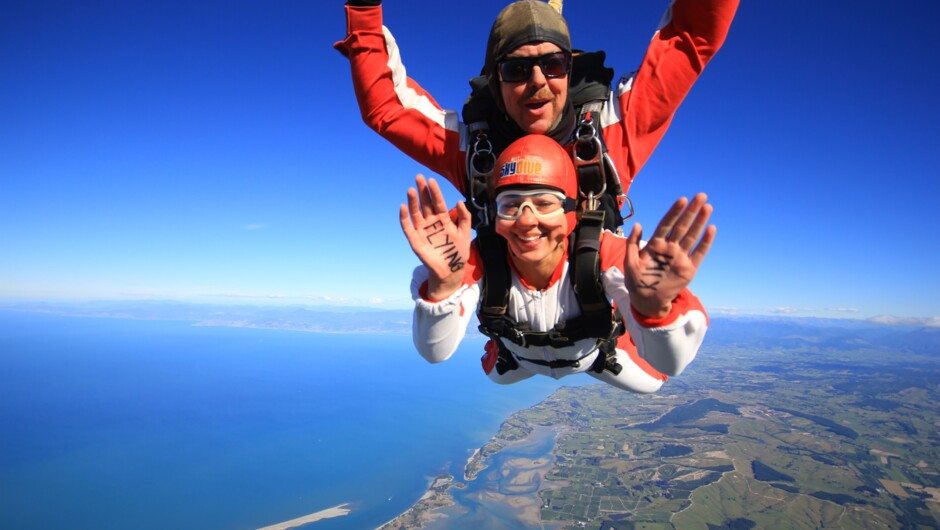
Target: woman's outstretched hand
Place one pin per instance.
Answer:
(657, 273)
(442, 244)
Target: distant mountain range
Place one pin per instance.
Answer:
(752, 331)
(822, 333)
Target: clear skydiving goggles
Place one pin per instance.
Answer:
(542, 203)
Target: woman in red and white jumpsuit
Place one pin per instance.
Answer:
(665, 322)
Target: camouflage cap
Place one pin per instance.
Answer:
(523, 22)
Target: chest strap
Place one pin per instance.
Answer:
(606, 360)
(564, 335)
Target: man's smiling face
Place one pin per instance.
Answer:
(536, 104)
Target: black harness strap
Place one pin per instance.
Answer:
(598, 181)
(558, 363)
(601, 320)
(481, 152)
(494, 301)
(586, 273)
(562, 336)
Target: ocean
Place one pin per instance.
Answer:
(118, 423)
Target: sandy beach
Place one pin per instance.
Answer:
(329, 513)
(426, 509)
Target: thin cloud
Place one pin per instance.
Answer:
(254, 226)
(333, 298)
(230, 295)
(890, 320)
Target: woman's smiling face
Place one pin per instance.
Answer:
(535, 241)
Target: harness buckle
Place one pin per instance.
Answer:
(558, 339)
(629, 204)
(519, 337)
(479, 168)
(589, 161)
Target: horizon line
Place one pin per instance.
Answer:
(334, 303)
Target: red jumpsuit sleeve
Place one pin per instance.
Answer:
(690, 34)
(394, 105)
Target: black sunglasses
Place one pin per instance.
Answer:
(517, 69)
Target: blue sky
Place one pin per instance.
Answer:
(213, 151)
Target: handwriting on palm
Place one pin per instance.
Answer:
(658, 272)
(440, 243)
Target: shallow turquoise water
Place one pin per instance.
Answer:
(475, 509)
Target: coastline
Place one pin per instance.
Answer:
(515, 482)
(421, 512)
(329, 513)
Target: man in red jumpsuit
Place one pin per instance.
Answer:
(527, 63)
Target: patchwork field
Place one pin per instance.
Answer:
(772, 440)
